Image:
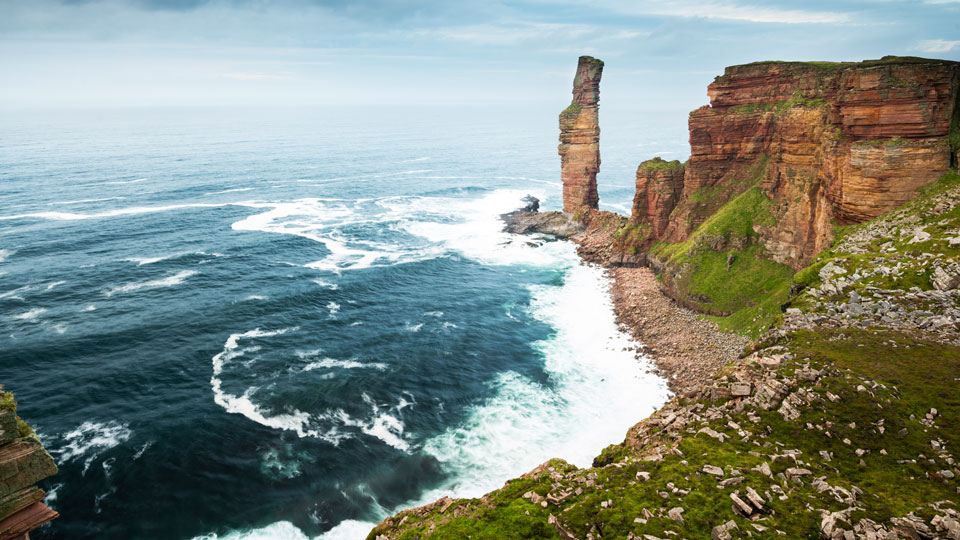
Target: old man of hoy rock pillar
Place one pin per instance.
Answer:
(580, 139)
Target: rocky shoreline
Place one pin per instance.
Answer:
(686, 349)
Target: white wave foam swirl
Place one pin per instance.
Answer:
(170, 281)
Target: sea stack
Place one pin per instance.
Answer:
(580, 139)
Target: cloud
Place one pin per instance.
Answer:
(524, 32)
(247, 76)
(936, 45)
(736, 12)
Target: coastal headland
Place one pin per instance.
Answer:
(798, 281)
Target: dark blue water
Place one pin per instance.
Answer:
(291, 323)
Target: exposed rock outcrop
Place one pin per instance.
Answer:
(659, 186)
(826, 142)
(23, 463)
(580, 139)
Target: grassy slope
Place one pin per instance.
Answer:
(751, 288)
(907, 380)
(866, 409)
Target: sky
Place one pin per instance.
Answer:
(659, 54)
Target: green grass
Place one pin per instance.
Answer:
(7, 401)
(778, 107)
(658, 163)
(919, 375)
(903, 377)
(572, 110)
(744, 296)
(751, 290)
(733, 220)
(707, 194)
(630, 237)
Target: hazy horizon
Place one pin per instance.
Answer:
(659, 55)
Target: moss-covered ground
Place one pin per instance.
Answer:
(863, 430)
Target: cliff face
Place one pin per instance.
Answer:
(23, 463)
(825, 142)
(580, 139)
(659, 186)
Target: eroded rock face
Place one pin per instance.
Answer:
(580, 139)
(659, 185)
(23, 463)
(826, 142)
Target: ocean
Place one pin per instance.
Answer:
(292, 323)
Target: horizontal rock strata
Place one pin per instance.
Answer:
(827, 142)
(23, 463)
(580, 139)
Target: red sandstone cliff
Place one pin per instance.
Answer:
(826, 142)
(23, 463)
(659, 187)
(580, 139)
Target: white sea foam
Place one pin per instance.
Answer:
(150, 260)
(119, 182)
(473, 228)
(334, 363)
(6, 254)
(597, 387)
(15, 294)
(415, 159)
(382, 422)
(382, 425)
(52, 493)
(295, 420)
(81, 201)
(170, 281)
(31, 315)
(598, 390)
(433, 314)
(469, 226)
(322, 220)
(55, 284)
(327, 284)
(327, 363)
(142, 449)
(91, 307)
(334, 308)
(90, 440)
(136, 210)
(449, 325)
(414, 327)
(281, 530)
(235, 190)
(256, 297)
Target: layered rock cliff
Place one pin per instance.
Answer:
(580, 139)
(826, 142)
(784, 153)
(23, 463)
